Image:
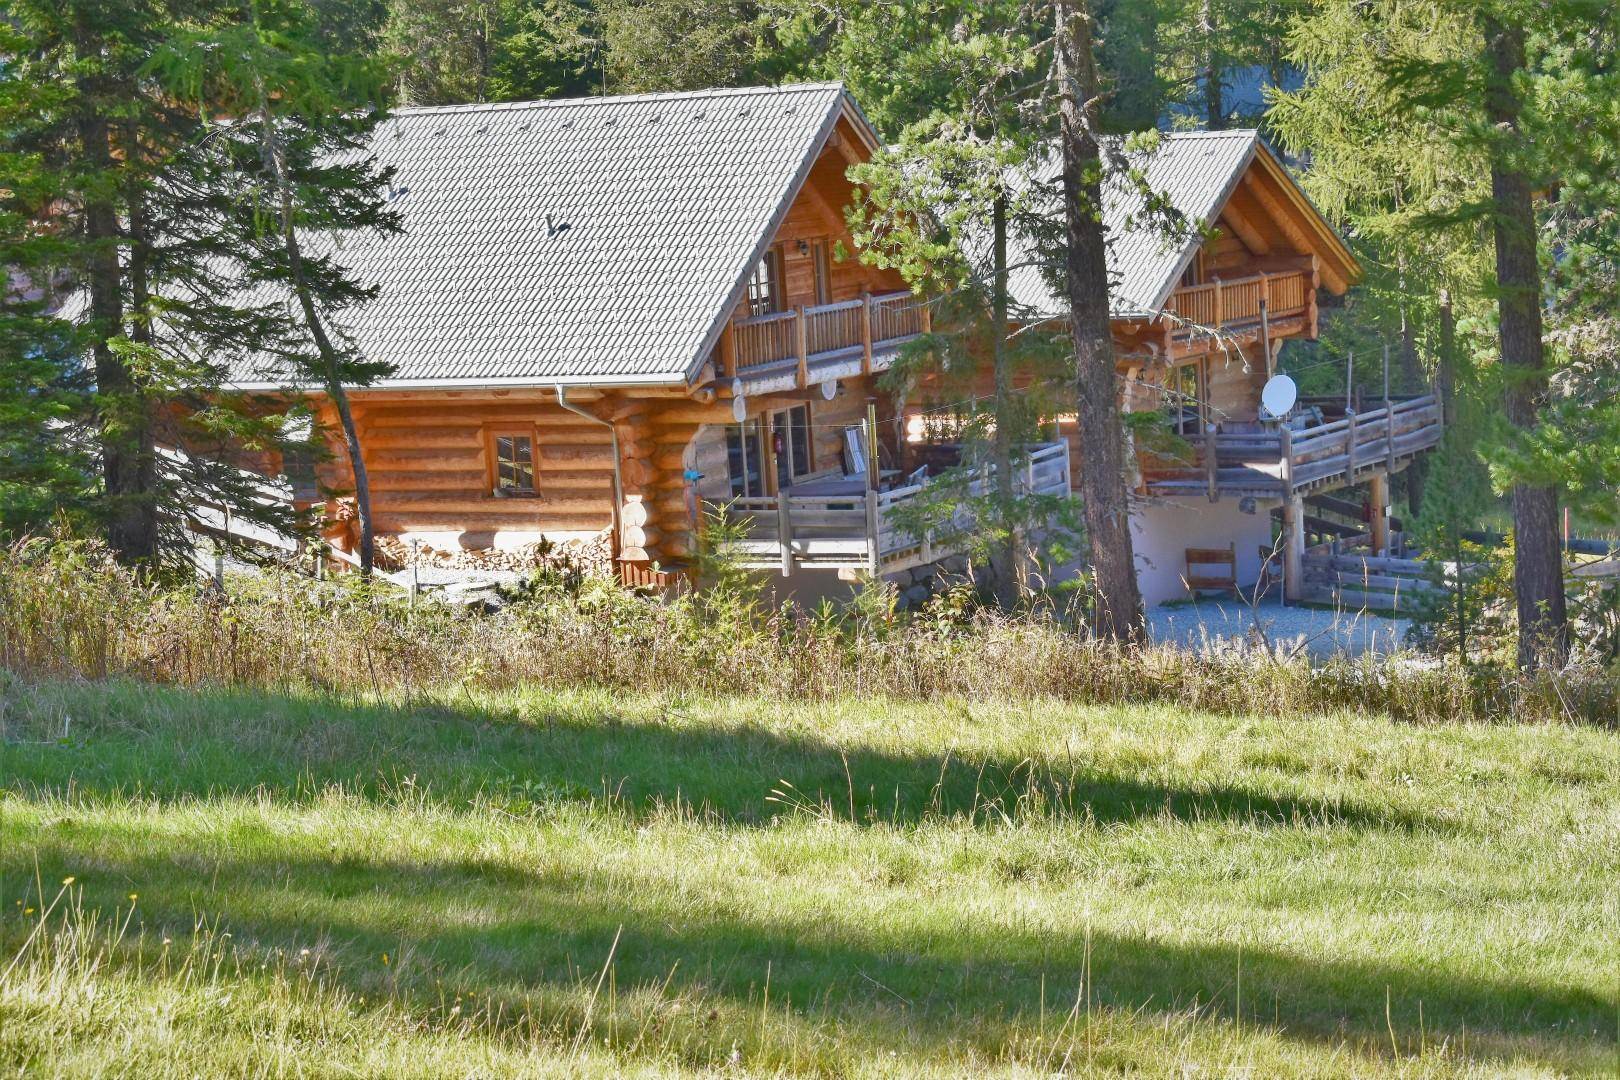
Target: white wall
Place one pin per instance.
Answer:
(1163, 529)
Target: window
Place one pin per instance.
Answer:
(745, 459)
(512, 453)
(765, 287)
(1184, 393)
(823, 268)
(1194, 274)
(790, 442)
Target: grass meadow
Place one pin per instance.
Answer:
(534, 882)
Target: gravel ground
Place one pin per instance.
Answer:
(1212, 623)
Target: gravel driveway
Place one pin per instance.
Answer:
(1213, 623)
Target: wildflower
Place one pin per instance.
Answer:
(385, 959)
(67, 881)
(134, 897)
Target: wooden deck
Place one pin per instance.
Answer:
(850, 527)
(807, 345)
(1275, 464)
(1235, 302)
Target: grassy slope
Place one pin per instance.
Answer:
(1318, 897)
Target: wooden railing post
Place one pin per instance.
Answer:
(1211, 464)
(728, 351)
(927, 318)
(1350, 451)
(803, 345)
(872, 530)
(784, 532)
(866, 333)
(1219, 312)
(1286, 435)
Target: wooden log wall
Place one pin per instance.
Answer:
(428, 459)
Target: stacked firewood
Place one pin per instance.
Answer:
(591, 555)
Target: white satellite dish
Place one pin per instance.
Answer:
(829, 389)
(1278, 396)
(739, 408)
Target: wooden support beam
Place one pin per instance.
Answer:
(802, 344)
(1378, 495)
(1293, 545)
(1245, 229)
(866, 332)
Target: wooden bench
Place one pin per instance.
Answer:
(1212, 569)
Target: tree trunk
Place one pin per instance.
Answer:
(1446, 375)
(1118, 603)
(1007, 578)
(323, 344)
(124, 413)
(1412, 382)
(1538, 570)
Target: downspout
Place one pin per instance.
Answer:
(618, 483)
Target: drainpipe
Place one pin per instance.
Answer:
(618, 483)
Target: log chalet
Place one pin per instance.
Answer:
(605, 312)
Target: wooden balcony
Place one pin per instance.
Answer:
(1281, 461)
(1237, 302)
(788, 349)
(839, 523)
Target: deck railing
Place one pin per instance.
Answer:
(1332, 454)
(807, 334)
(866, 530)
(1237, 300)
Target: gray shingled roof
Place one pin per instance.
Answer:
(1196, 171)
(592, 239)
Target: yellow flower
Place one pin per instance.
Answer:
(67, 880)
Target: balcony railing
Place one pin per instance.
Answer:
(1237, 300)
(862, 529)
(1283, 461)
(867, 327)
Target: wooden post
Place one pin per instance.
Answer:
(784, 532)
(1220, 314)
(728, 351)
(872, 535)
(1211, 464)
(1293, 529)
(1389, 413)
(803, 345)
(866, 333)
(1349, 380)
(1378, 496)
(1350, 446)
(927, 317)
(1286, 436)
(873, 475)
(1265, 325)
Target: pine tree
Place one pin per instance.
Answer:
(943, 206)
(291, 173)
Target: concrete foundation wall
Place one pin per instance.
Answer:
(1163, 529)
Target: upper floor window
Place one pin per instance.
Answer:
(513, 458)
(822, 263)
(1194, 274)
(765, 287)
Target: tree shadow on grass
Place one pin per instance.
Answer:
(496, 930)
(168, 743)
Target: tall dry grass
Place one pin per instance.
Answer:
(67, 610)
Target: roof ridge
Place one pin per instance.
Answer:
(614, 99)
(1200, 133)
